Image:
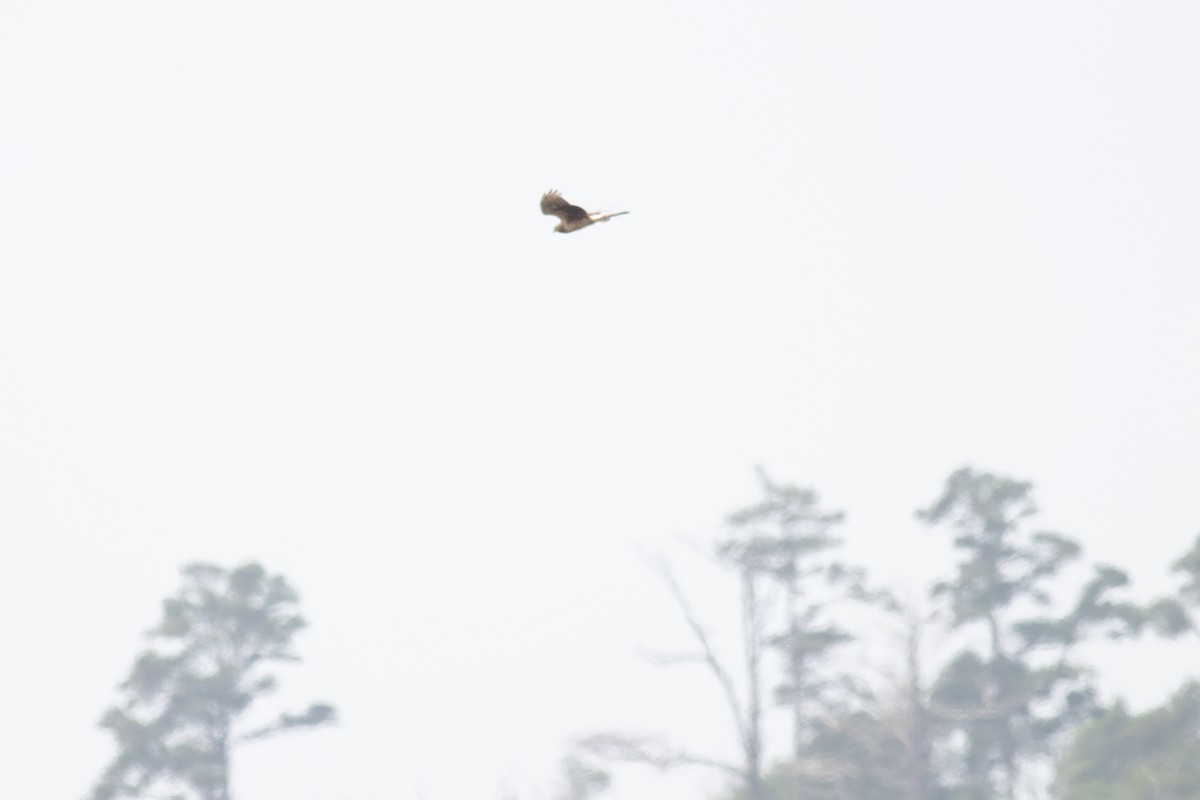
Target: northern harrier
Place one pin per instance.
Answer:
(571, 218)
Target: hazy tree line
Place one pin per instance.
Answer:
(1009, 712)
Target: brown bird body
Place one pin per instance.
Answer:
(571, 218)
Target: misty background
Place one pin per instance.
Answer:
(274, 285)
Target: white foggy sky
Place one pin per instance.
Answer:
(274, 286)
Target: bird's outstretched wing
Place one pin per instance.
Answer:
(555, 205)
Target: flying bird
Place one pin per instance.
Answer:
(572, 218)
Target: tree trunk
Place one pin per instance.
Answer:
(752, 627)
(919, 756)
(220, 786)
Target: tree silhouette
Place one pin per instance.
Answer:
(205, 666)
(1009, 698)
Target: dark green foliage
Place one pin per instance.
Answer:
(779, 534)
(204, 668)
(1174, 616)
(867, 754)
(1150, 756)
(581, 780)
(986, 724)
(1188, 566)
(1010, 696)
(999, 564)
(785, 541)
(855, 754)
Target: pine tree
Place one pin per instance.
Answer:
(1011, 691)
(206, 664)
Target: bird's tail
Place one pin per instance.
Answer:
(605, 217)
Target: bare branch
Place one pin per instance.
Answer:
(652, 752)
(671, 659)
(709, 656)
